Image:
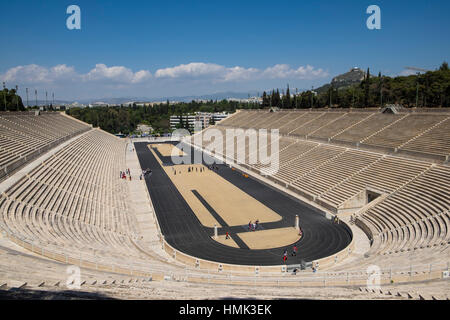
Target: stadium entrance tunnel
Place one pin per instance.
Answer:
(372, 195)
(183, 230)
(365, 199)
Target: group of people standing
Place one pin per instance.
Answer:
(214, 168)
(144, 173)
(252, 226)
(125, 174)
(293, 254)
(190, 169)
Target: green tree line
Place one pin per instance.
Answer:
(124, 119)
(10, 101)
(431, 89)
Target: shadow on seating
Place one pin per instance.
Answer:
(31, 294)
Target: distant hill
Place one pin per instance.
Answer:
(430, 90)
(354, 76)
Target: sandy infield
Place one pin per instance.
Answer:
(233, 205)
(167, 150)
(267, 239)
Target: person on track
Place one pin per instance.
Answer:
(294, 250)
(285, 257)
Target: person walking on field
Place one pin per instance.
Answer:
(285, 256)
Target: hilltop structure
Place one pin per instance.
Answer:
(352, 77)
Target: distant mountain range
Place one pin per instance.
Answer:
(32, 102)
(214, 96)
(118, 101)
(354, 76)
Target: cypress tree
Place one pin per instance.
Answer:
(367, 89)
(265, 99)
(287, 99)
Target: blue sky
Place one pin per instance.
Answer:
(170, 48)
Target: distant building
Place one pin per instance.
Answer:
(144, 129)
(138, 104)
(200, 119)
(219, 116)
(98, 104)
(75, 105)
(247, 100)
(146, 104)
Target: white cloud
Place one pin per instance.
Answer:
(36, 74)
(186, 78)
(197, 70)
(239, 73)
(141, 76)
(194, 69)
(62, 70)
(222, 73)
(407, 72)
(117, 74)
(283, 71)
